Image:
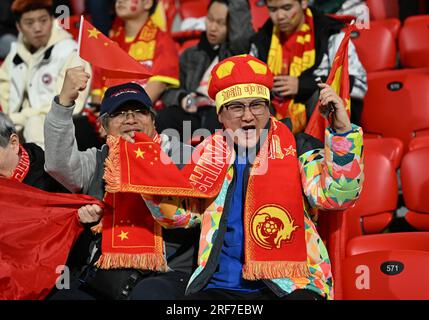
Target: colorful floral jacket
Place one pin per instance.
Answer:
(331, 178)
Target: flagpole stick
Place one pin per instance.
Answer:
(79, 40)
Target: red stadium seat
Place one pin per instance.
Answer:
(371, 213)
(391, 148)
(394, 274)
(388, 241)
(186, 39)
(393, 24)
(396, 105)
(413, 42)
(418, 143)
(193, 8)
(259, 13)
(415, 187)
(374, 209)
(383, 9)
(378, 38)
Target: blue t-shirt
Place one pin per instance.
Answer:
(228, 274)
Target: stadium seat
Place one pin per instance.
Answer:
(393, 24)
(396, 105)
(418, 143)
(378, 38)
(393, 274)
(383, 9)
(371, 213)
(413, 42)
(186, 39)
(259, 13)
(415, 187)
(391, 148)
(388, 241)
(193, 8)
(374, 209)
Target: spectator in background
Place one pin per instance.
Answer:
(299, 44)
(138, 35)
(101, 12)
(23, 162)
(34, 70)
(228, 32)
(357, 8)
(8, 30)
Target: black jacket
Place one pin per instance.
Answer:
(37, 176)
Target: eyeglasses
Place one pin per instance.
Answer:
(256, 107)
(123, 115)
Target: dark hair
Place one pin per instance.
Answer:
(225, 2)
(19, 7)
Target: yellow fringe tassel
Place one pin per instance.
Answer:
(112, 174)
(257, 270)
(146, 261)
(98, 228)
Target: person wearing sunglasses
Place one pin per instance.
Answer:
(125, 110)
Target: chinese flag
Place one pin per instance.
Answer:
(141, 163)
(338, 79)
(104, 53)
(37, 232)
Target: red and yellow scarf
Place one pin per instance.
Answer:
(292, 56)
(274, 221)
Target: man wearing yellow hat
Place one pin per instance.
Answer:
(258, 240)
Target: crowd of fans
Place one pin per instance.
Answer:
(42, 73)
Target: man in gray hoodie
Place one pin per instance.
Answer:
(125, 109)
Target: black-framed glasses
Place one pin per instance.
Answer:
(256, 107)
(123, 115)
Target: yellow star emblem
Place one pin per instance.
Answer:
(93, 33)
(139, 153)
(123, 235)
(290, 151)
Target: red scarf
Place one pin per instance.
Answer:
(130, 236)
(23, 166)
(274, 223)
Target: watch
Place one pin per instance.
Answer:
(190, 100)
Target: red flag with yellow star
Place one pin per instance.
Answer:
(133, 167)
(104, 53)
(338, 79)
